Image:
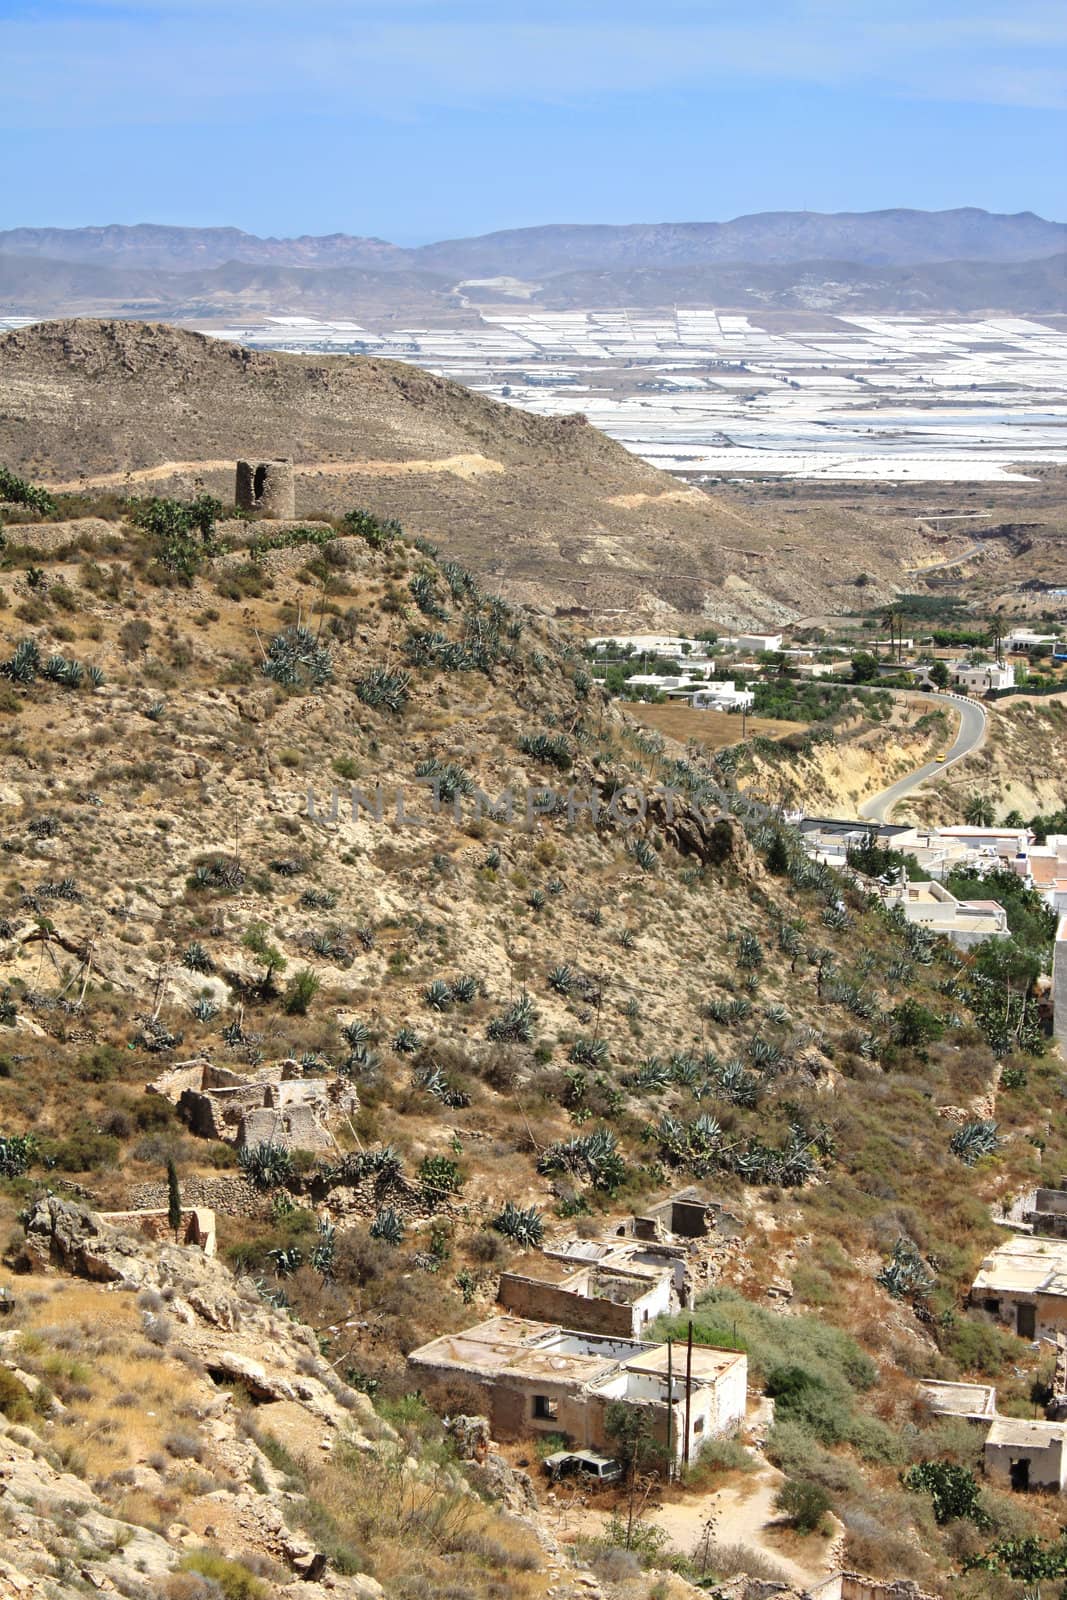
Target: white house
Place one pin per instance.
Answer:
(1027, 639)
(759, 641)
(982, 678)
(1047, 867)
(723, 696)
(965, 922)
(665, 683)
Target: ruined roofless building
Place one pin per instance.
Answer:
(267, 487)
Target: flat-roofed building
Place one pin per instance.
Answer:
(965, 922)
(1027, 1455)
(974, 1402)
(541, 1378)
(1023, 1282)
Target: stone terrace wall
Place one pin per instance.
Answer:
(230, 1196)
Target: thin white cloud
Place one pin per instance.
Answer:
(173, 60)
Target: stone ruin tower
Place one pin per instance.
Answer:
(267, 487)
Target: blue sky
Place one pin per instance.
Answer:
(422, 119)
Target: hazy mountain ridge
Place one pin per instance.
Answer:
(897, 236)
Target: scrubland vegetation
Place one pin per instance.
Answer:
(544, 1025)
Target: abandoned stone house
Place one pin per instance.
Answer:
(1019, 1453)
(1023, 1455)
(599, 1298)
(198, 1228)
(972, 1402)
(1046, 1212)
(274, 1105)
(1023, 1282)
(540, 1378)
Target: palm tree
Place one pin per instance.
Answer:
(996, 628)
(978, 812)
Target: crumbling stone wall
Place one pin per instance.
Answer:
(231, 1196)
(268, 487)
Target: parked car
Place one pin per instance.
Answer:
(589, 1463)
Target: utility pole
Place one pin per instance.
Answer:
(688, 1390)
(670, 1410)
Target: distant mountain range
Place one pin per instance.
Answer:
(880, 238)
(959, 260)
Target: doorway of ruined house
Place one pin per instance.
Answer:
(1020, 1476)
(1026, 1321)
(258, 481)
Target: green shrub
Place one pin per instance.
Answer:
(16, 1402)
(953, 1490)
(805, 1503)
(231, 1578)
(301, 989)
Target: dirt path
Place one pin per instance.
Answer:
(744, 1514)
(462, 466)
(743, 1510)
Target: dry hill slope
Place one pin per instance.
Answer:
(570, 1017)
(558, 515)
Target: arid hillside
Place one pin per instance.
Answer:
(547, 1012)
(551, 511)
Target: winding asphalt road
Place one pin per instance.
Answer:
(970, 737)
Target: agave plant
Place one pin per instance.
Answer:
(905, 1275)
(552, 749)
(594, 1156)
(318, 899)
(449, 779)
(765, 1054)
(523, 1226)
(433, 1080)
(322, 1256)
(645, 855)
(588, 1052)
(204, 1009)
(266, 1165)
(431, 648)
(733, 1083)
(438, 995)
(356, 1034)
(974, 1140)
(384, 690)
(406, 1042)
(388, 1227)
(651, 1076)
(286, 1260)
(464, 989)
(197, 958)
(295, 659)
(424, 593)
(515, 1025)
